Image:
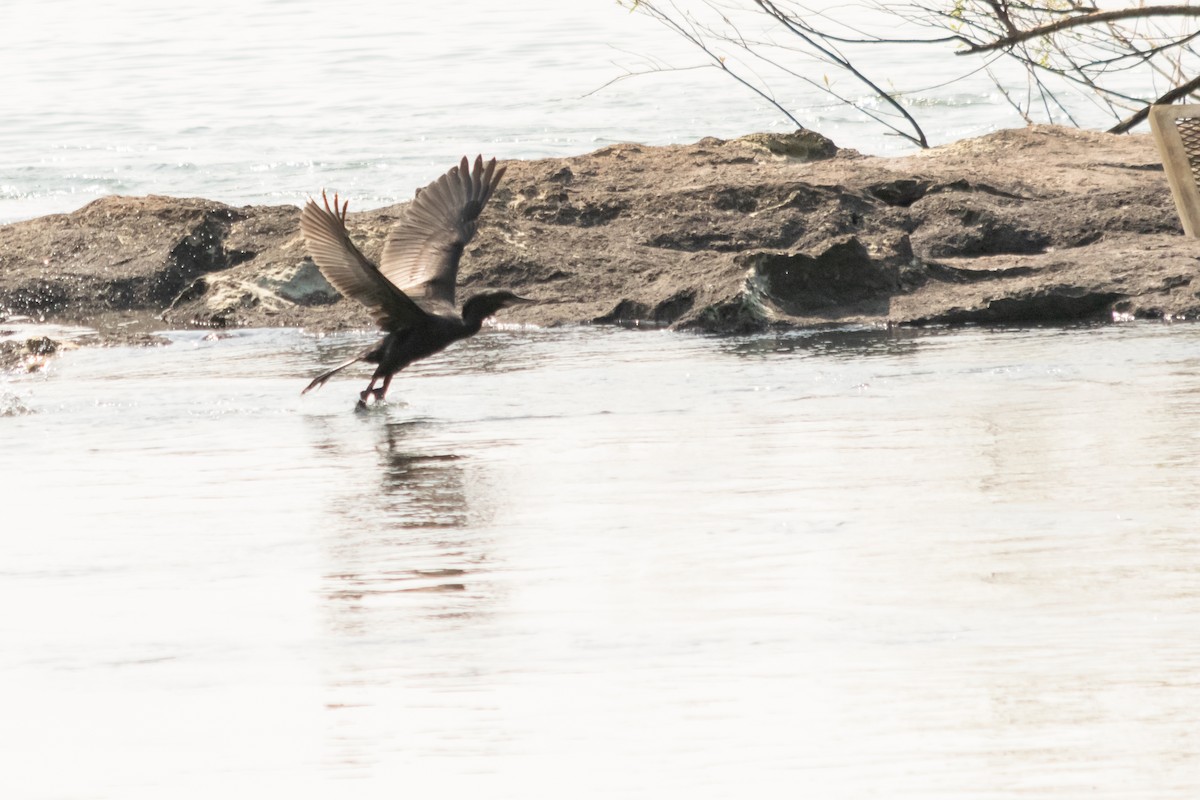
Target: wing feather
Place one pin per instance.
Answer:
(423, 249)
(344, 266)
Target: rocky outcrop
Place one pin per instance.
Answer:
(1041, 224)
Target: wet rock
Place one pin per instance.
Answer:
(11, 354)
(41, 346)
(1040, 224)
(29, 355)
(1059, 303)
(115, 253)
(633, 313)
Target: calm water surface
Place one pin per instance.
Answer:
(597, 563)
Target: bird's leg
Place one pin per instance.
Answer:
(382, 390)
(370, 390)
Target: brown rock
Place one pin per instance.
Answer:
(1041, 224)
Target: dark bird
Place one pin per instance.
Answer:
(411, 293)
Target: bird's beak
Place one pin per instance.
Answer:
(516, 300)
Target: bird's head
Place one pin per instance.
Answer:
(485, 304)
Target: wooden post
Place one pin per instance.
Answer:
(1177, 133)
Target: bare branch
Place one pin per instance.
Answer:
(918, 136)
(1170, 97)
(692, 35)
(632, 74)
(1016, 36)
(1062, 46)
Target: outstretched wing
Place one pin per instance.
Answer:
(423, 250)
(344, 266)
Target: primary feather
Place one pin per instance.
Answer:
(344, 266)
(423, 249)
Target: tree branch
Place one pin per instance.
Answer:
(1075, 22)
(918, 135)
(1170, 97)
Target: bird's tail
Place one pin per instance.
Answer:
(320, 379)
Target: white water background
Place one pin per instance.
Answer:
(268, 101)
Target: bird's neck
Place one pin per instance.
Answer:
(472, 322)
(479, 308)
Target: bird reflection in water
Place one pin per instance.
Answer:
(406, 567)
(420, 490)
(408, 545)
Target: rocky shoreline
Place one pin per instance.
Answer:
(1028, 226)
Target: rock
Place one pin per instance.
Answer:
(844, 274)
(30, 355)
(113, 254)
(1041, 224)
(802, 145)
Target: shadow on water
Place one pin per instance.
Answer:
(889, 343)
(835, 343)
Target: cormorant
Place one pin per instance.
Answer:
(411, 293)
